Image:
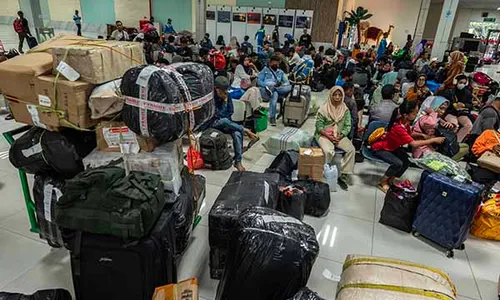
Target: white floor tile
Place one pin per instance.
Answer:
(265, 160)
(11, 199)
(358, 202)
(341, 235)
(19, 223)
(18, 255)
(218, 178)
(326, 288)
(52, 271)
(485, 266)
(195, 257)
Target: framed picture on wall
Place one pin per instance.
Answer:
(286, 21)
(253, 18)
(303, 22)
(269, 20)
(210, 15)
(224, 17)
(239, 17)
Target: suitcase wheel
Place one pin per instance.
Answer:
(462, 247)
(415, 234)
(450, 253)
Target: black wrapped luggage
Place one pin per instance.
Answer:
(270, 257)
(42, 151)
(46, 192)
(56, 294)
(106, 267)
(318, 197)
(243, 190)
(284, 164)
(162, 102)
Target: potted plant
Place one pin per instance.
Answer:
(355, 17)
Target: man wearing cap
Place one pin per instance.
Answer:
(222, 121)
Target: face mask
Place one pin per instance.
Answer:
(275, 68)
(460, 86)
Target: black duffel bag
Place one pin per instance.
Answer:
(284, 164)
(450, 146)
(42, 151)
(292, 201)
(56, 294)
(318, 197)
(399, 209)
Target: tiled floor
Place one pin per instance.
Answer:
(28, 264)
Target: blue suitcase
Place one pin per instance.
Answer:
(446, 209)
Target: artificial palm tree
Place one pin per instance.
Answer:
(355, 18)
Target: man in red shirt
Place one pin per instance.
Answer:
(22, 29)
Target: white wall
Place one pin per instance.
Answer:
(222, 2)
(403, 14)
(466, 15)
(131, 11)
(63, 10)
(9, 8)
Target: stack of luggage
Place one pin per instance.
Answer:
(118, 197)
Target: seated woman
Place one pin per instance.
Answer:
(488, 141)
(333, 125)
(398, 133)
(244, 75)
(420, 91)
(222, 121)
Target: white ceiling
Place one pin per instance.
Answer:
(486, 4)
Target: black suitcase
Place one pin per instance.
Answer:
(32, 42)
(104, 267)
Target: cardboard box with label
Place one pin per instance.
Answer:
(17, 74)
(184, 290)
(111, 134)
(97, 61)
(311, 163)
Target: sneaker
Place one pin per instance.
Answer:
(9, 117)
(342, 184)
(273, 121)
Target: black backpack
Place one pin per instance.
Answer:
(450, 146)
(213, 147)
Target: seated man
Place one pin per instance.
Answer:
(222, 121)
(273, 83)
(350, 101)
(383, 110)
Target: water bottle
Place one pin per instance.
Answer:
(331, 175)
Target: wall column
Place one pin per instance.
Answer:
(422, 19)
(200, 28)
(444, 28)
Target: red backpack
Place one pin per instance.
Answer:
(218, 59)
(482, 78)
(18, 26)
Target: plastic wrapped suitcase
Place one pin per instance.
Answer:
(242, 190)
(288, 139)
(105, 267)
(366, 277)
(446, 210)
(55, 294)
(46, 192)
(297, 106)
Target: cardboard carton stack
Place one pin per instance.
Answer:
(311, 162)
(50, 86)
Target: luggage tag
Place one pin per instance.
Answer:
(67, 71)
(330, 276)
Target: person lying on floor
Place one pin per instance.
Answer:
(222, 121)
(333, 125)
(389, 147)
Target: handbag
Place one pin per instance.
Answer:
(194, 157)
(490, 160)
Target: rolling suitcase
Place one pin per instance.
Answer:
(32, 42)
(106, 267)
(446, 210)
(297, 106)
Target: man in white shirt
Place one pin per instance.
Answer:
(119, 34)
(293, 58)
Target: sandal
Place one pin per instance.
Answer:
(383, 188)
(253, 142)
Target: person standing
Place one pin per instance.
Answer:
(305, 39)
(276, 37)
(169, 28)
(382, 47)
(259, 37)
(22, 29)
(78, 23)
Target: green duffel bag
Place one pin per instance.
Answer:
(105, 201)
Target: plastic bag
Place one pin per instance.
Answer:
(194, 159)
(180, 94)
(486, 223)
(271, 256)
(306, 294)
(284, 164)
(331, 176)
(292, 201)
(41, 151)
(399, 209)
(441, 163)
(318, 197)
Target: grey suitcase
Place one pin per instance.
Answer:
(297, 106)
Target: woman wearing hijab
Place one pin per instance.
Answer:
(333, 125)
(455, 67)
(419, 92)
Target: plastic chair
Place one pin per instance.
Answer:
(367, 152)
(242, 111)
